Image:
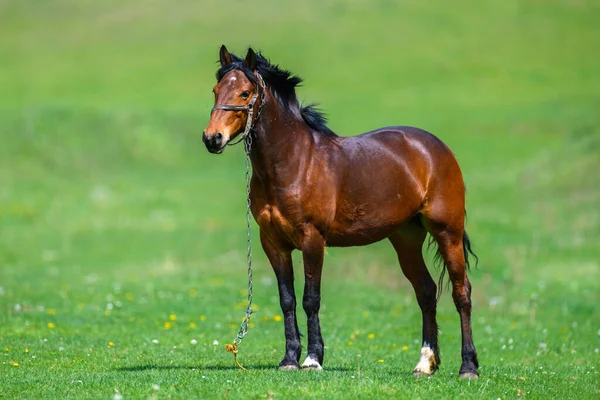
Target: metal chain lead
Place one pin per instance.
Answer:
(244, 327)
(247, 147)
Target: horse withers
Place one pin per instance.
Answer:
(311, 188)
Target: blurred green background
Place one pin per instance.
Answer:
(117, 226)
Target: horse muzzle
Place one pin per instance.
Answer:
(215, 143)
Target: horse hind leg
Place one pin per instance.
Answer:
(450, 241)
(408, 243)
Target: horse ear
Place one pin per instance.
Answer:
(224, 56)
(250, 60)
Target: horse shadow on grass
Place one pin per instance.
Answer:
(212, 367)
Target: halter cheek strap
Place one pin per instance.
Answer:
(248, 108)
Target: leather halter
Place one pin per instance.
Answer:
(248, 108)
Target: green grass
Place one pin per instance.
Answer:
(114, 219)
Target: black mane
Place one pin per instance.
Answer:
(283, 83)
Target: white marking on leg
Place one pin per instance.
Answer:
(311, 363)
(427, 362)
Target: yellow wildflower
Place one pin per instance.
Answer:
(192, 325)
(192, 292)
(404, 348)
(379, 361)
(15, 364)
(50, 311)
(349, 342)
(168, 325)
(51, 325)
(203, 318)
(277, 318)
(172, 317)
(371, 336)
(129, 296)
(111, 344)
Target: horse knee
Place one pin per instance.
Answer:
(287, 302)
(311, 303)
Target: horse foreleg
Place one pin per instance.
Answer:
(281, 261)
(313, 250)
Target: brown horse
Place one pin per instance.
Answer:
(311, 189)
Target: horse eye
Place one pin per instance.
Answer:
(245, 94)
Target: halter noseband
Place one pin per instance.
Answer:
(247, 107)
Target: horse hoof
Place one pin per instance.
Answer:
(289, 367)
(312, 368)
(468, 375)
(311, 363)
(428, 363)
(419, 373)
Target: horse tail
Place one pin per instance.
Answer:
(439, 260)
(468, 250)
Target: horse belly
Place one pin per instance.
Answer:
(358, 227)
(359, 237)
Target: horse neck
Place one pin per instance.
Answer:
(281, 144)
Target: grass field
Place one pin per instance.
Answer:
(122, 254)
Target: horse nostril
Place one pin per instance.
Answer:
(204, 138)
(219, 139)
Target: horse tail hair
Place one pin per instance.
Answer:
(468, 250)
(438, 260)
